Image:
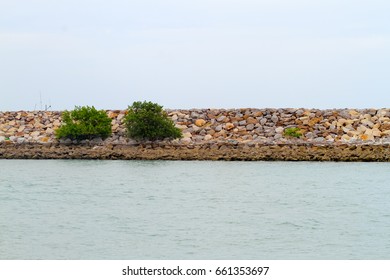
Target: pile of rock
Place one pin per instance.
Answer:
(268, 125)
(221, 125)
(36, 126)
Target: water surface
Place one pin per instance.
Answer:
(78, 209)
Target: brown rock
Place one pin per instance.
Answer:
(200, 122)
(44, 139)
(112, 115)
(252, 120)
(376, 132)
(385, 126)
(314, 121)
(115, 127)
(258, 114)
(229, 126)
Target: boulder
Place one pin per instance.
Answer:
(185, 140)
(218, 128)
(229, 126)
(279, 130)
(250, 127)
(200, 122)
(187, 135)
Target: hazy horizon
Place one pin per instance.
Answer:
(194, 54)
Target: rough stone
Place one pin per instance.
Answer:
(264, 125)
(385, 126)
(186, 140)
(250, 127)
(218, 128)
(376, 132)
(35, 133)
(279, 130)
(251, 120)
(187, 135)
(229, 126)
(221, 118)
(367, 123)
(200, 122)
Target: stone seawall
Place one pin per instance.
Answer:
(206, 151)
(213, 134)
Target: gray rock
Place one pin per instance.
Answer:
(274, 118)
(218, 128)
(221, 118)
(203, 132)
(259, 130)
(278, 136)
(194, 115)
(97, 140)
(319, 139)
(250, 127)
(241, 123)
(345, 114)
(20, 140)
(198, 138)
(310, 135)
(263, 121)
(66, 141)
(232, 141)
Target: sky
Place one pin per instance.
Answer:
(187, 54)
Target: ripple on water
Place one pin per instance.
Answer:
(212, 210)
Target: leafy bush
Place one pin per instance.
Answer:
(84, 123)
(148, 121)
(292, 132)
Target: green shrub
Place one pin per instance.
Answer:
(84, 123)
(148, 121)
(292, 132)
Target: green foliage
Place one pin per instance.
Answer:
(148, 121)
(292, 132)
(84, 123)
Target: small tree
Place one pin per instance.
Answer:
(84, 123)
(148, 121)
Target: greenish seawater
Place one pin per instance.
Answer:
(71, 209)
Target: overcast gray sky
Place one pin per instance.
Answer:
(194, 53)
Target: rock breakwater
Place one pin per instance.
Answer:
(242, 134)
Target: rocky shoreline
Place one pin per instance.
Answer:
(213, 134)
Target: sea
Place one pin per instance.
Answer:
(179, 210)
